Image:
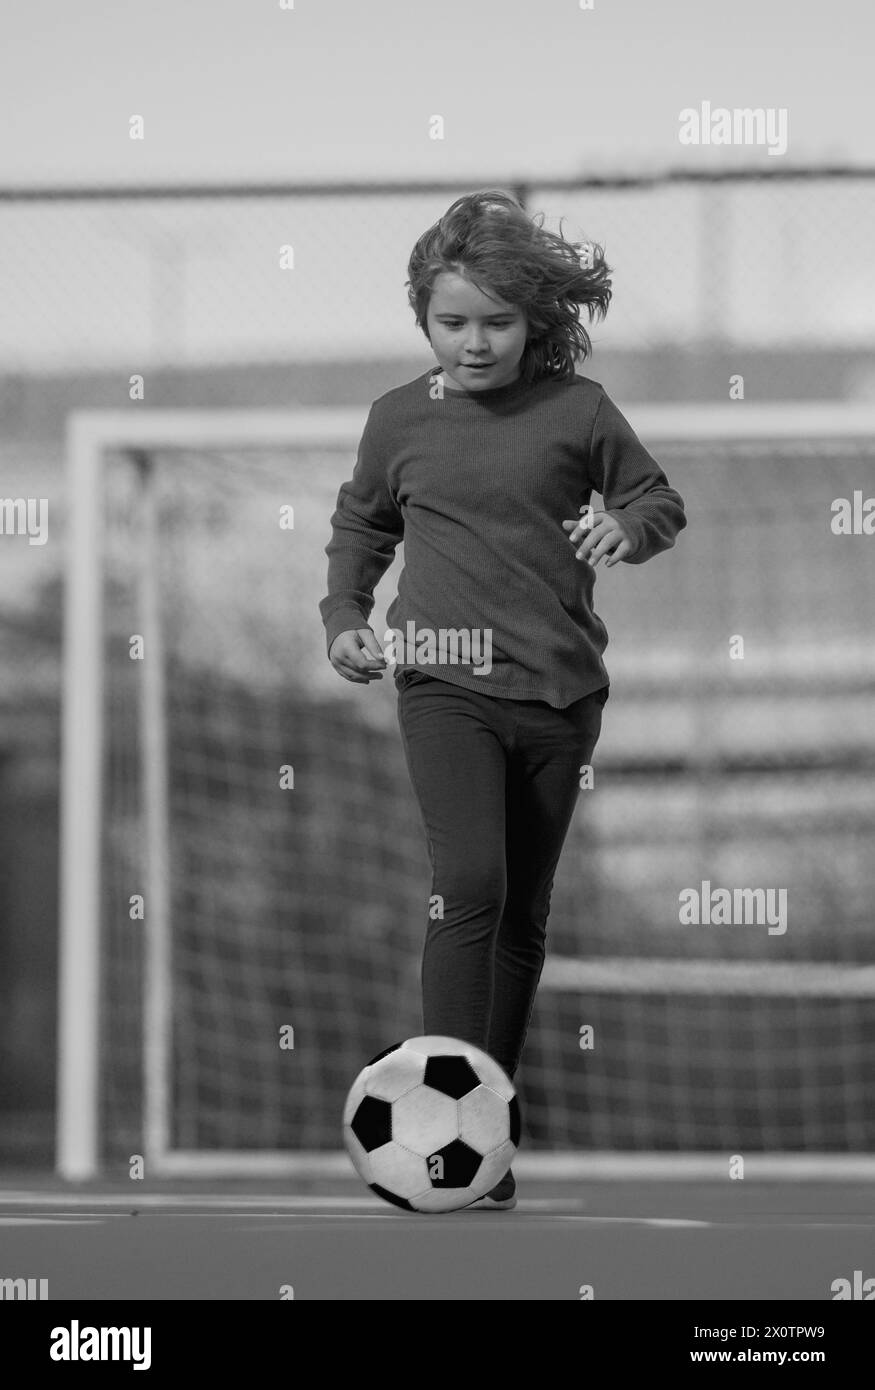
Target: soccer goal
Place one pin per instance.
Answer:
(244, 880)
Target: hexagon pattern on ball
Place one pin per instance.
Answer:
(431, 1124)
(399, 1071)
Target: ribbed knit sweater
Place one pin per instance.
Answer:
(477, 486)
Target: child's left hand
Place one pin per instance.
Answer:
(606, 536)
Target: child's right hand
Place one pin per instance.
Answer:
(356, 655)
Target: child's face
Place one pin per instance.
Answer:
(466, 326)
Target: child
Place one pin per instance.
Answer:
(482, 465)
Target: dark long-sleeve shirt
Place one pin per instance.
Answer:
(477, 485)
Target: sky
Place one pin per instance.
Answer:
(248, 92)
(244, 90)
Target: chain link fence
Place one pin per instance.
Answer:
(97, 281)
(768, 275)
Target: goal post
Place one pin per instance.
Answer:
(303, 908)
(81, 810)
(91, 436)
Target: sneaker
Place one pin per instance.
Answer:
(502, 1197)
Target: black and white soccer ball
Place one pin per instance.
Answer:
(432, 1124)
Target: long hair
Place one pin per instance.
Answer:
(489, 238)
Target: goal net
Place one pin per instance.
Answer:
(244, 875)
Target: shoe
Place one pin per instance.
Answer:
(502, 1197)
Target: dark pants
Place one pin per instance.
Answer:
(497, 783)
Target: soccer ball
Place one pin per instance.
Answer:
(432, 1124)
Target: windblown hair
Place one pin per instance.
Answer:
(489, 238)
